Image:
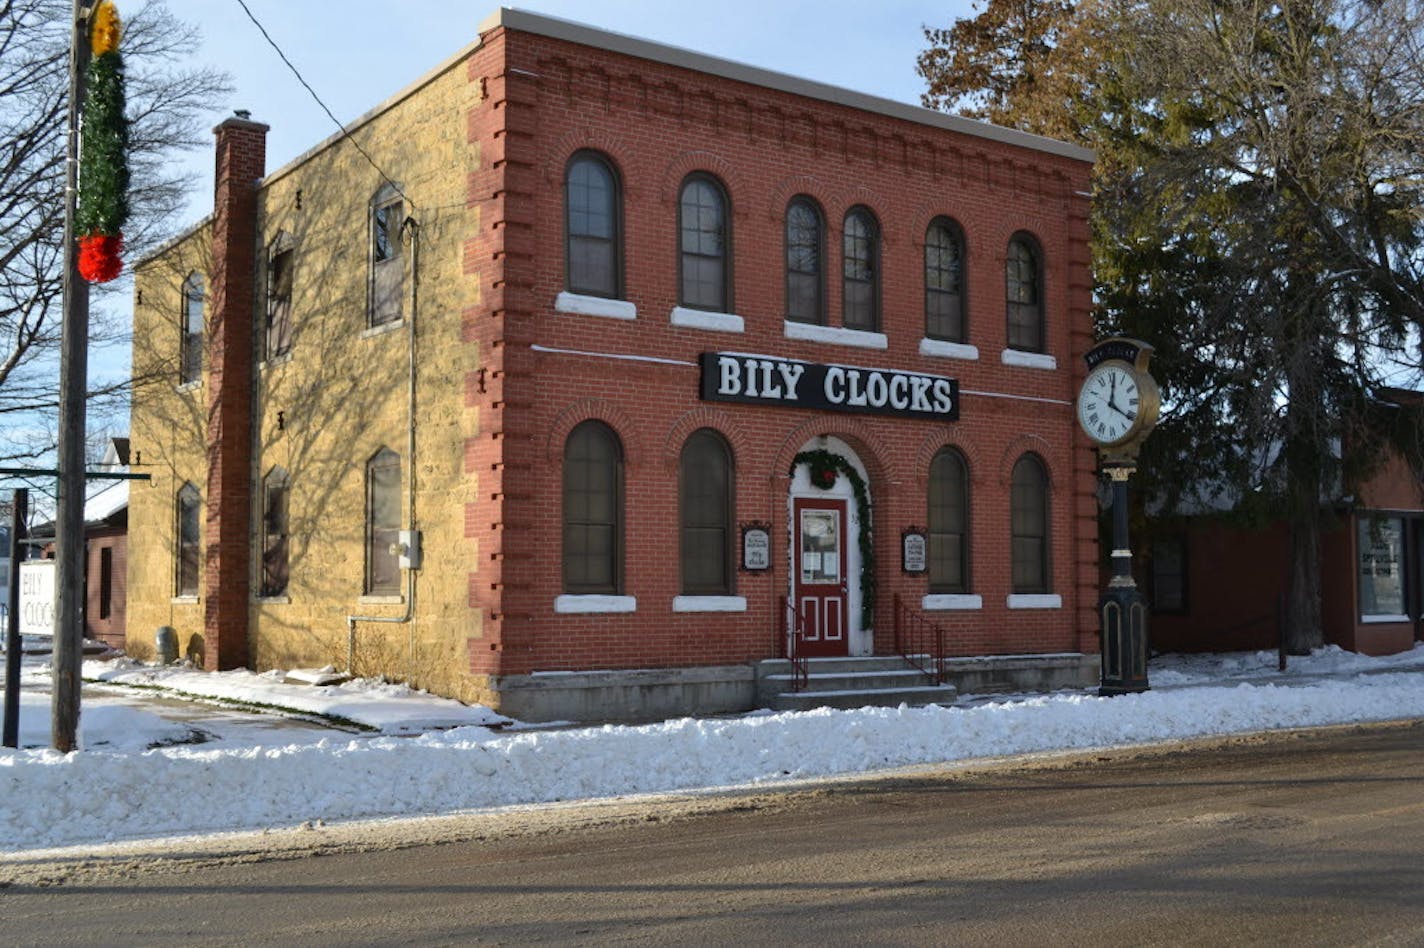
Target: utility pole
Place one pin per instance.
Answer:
(73, 387)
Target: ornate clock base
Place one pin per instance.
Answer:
(1124, 617)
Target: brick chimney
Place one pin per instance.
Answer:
(241, 164)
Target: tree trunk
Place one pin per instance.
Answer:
(1304, 628)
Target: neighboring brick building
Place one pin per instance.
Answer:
(1216, 585)
(615, 307)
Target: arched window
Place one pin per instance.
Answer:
(593, 511)
(387, 291)
(805, 249)
(188, 515)
(383, 520)
(278, 331)
(944, 281)
(704, 245)
(860, 302)
(949, 523)
(190, 355)
(706, 513)
(274, 533)
(1029, 515)
(1023, 286)
(593, 227)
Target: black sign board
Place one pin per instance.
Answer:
(756, 547)
(1132, 351)
(767, 380)
(913, 549)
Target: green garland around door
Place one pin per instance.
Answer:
(825, 466)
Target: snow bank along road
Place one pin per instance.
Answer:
(52, 800)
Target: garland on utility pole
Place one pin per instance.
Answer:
(103, 155)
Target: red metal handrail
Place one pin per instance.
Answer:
(917, 637)
(793, 641)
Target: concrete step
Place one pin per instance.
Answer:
(863, 698)
(781, 666)
(900, 677)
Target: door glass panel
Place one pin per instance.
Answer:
(820, 546)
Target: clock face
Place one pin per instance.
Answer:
(1110, 403)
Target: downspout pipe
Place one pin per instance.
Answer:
(411, 227)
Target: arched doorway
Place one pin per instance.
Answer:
(825, 523)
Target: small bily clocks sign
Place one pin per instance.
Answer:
(788, 383)
(913, 551)
(756, 547)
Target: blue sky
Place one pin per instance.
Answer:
(358, 52)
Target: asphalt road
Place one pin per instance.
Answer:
(1304, 838)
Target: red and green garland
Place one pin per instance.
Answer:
(103, 155)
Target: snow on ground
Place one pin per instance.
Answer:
(107, 791)
(378, 705)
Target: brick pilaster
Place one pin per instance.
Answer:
(241, 163)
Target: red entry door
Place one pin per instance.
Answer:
(819, 580)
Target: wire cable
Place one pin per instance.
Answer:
(306, 85)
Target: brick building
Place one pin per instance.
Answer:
(609, 351)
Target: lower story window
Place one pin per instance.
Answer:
(1381, 548)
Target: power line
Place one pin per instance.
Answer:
(306, 85)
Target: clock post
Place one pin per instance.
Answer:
(1117, 407)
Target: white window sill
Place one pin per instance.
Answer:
(836, 335)
(1383, 619)
(275, 361)
(581, 305)
(945, 602)
(1035, 601)
(184, 600)
(705, 319)
(943, 349)
(273, 600)
(194, 385)
(709, 604)
(372, 331)
(578, 604)
(1028, 360)
(381, 600)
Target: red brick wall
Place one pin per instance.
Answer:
(657, 123)
(241, 163)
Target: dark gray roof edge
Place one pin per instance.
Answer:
(583, 34)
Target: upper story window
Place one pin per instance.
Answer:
(188, 515)
(1023, 287)
(190, 356)
(949, 523)
(387, 290)
(592, 227)
(278, 341)
(704, 245)
(705, 505)
(805, 250)
(383, 518)
(860, 303)
(275, 550)
(1029, 514)
(593, 511)
(944, 281)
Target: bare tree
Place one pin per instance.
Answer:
(166, 102)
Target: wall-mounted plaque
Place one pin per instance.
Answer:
(913, 546)
(756, 547)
